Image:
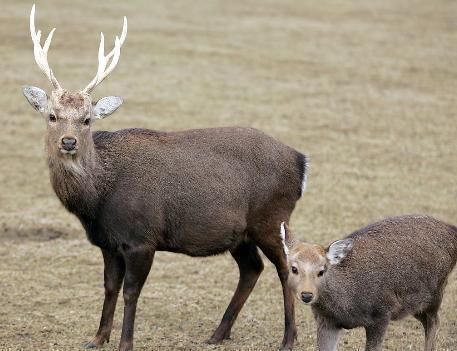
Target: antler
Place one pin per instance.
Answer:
(102, 71)
(41, 53)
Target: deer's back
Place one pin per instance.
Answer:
(397, 267)
(194, 189)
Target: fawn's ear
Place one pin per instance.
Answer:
(106, 106)
(284, 233)
(36, 97)
(338, 250)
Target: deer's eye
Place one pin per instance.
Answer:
(52, 117)
(87, 121)
(321, 272)
(294, 270)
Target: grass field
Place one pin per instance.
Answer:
(366, 88)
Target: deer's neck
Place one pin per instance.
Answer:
(74, 179)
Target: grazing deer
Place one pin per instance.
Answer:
(385, 271)
(138, 191)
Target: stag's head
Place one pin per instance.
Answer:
(69, 114)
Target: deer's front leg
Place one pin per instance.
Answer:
(327, 335)
(138, 263)
(113, 275)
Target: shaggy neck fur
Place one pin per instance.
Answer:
(74, 179)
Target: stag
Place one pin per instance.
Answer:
(138, 191)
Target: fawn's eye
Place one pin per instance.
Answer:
(87, 121)
(321, 272)
(52, 117)
(294, 270)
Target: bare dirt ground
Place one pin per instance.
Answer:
(366, 88)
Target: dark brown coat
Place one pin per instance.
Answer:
(198, 192)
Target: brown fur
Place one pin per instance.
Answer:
(397, 267)
(199, 192)
(73, 100)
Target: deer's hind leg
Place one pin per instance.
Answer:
(268, 239)
(430, 321)
(375, 336)
(250, 265)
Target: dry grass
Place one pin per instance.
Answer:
(367, 88)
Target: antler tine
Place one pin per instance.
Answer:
(41, 53)
(114, 55)
(122, 37)
(101, 56)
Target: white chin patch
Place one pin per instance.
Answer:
(66, 152)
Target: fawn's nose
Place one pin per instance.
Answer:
(306, 297)
(68, 143)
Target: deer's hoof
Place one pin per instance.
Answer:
(287, 346)
(217, 339)
(90, 345)
(213, 341)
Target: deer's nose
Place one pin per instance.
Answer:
(306, 297)
(68, 142)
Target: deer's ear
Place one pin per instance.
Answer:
(36, 97)
(106, 106)
(338, 250)
(284, 233)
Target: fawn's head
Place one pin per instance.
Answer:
(68, 114)
(308, 265)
